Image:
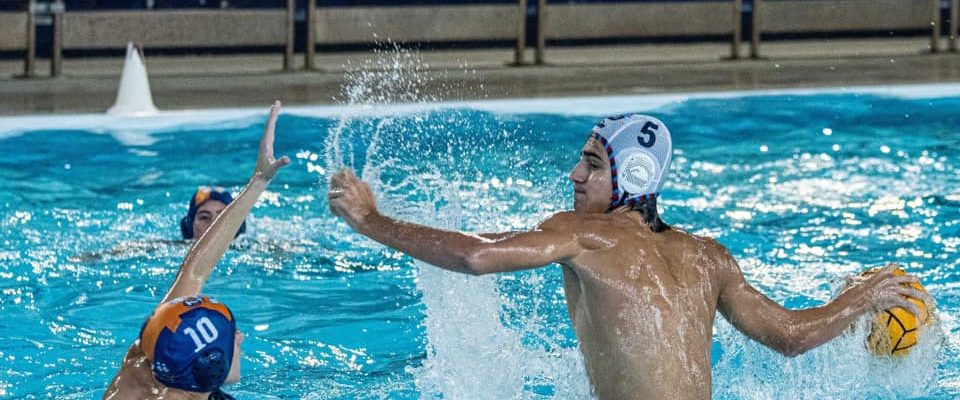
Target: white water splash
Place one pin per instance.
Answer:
(747, 370)
(470, 352)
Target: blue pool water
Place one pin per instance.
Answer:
(804, 188)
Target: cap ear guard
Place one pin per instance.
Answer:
(186, 228)
(210, 369)
(207, 372)
(639, 149)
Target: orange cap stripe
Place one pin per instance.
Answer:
(168, 316)
(201, 196)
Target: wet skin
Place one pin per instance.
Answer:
(630, 307)
(206, 213)
(642, 303)
(135, 379)
(644, 318)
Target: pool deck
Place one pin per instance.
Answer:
(198, 82)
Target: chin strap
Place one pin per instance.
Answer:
(218, 394)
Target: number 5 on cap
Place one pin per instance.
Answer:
(649, 129)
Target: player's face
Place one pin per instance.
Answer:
(205, 215)
(592, 182)
(234, 375)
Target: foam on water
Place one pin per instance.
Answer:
(840, 366)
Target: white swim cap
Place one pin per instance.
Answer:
(639, 147)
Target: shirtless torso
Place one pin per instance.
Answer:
(642, 305)
(641, 302)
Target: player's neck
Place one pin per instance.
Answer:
(633, 215)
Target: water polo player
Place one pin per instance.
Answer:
(205, 204)
(189, 347)
(642, 296)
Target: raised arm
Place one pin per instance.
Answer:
(552, 241)
(793, 332)
(205, 253)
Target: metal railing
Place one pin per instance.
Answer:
(954, 15)
(827, 16)
(422, 23)
(18, 33)
(613, 22)
(172, 29)
(493, 24)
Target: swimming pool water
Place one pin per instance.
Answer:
(803, 188)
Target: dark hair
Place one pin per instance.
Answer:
(647, 207)
(213, 193)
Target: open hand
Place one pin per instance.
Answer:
(351, 198)
(884, 290)
(267, 166)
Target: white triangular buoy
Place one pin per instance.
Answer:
(133, 96)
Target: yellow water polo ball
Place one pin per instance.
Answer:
(894, 331)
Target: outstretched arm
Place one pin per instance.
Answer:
(793, 332)
(552, 241)
(205, 253)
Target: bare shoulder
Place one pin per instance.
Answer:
(135, 379)
(576, 222)
(719, 256)
(712, 246)
(709, 248)
(563, 220)
(592, 231)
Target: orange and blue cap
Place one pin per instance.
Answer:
(203, 195)
(189, 343)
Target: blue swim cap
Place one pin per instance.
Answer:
(203, 195)
(639, 148)
(189, 342)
